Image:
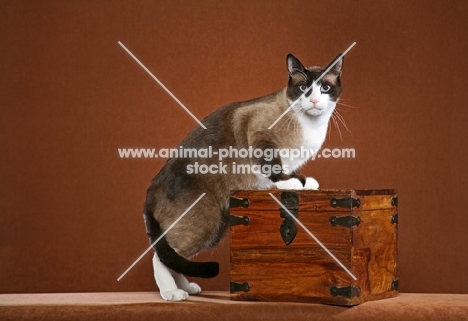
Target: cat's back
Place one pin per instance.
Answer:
(232, 121)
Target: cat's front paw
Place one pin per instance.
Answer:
(292, 183)
(311, 183)
(175, 295)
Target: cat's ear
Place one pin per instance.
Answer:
(337, 65)
(294, 65)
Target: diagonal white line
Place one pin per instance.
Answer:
(316, 239)
(162, 235)
(316, 81)
(161, 84)
(334, 63)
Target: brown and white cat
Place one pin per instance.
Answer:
(238, 125)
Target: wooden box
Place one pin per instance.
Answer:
(341, 249)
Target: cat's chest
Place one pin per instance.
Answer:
(313, 136)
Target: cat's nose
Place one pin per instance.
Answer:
(314, 100)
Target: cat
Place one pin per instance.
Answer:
(238, 125)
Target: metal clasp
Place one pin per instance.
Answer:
(288, 228)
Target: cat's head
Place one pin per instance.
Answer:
(309, 96)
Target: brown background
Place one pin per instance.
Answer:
(70, 96)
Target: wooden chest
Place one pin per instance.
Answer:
(323, 246)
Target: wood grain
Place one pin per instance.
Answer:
(302, 271)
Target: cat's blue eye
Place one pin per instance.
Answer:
(325, 88)
(303, 88)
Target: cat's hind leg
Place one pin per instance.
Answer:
(184, 284)
(166, 283)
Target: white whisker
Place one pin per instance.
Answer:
(346, 105)
(337, 126)
(340, 118)
(287, 120)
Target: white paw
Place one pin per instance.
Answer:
(193, 289)
(292, 183)
(311, 183)
(176, 295)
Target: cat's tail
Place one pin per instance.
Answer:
(171, 258)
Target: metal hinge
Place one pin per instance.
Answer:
(238, 287)
(348, 292)
(346, 221)
(239, 220)
(238, 202)
(395, 218)
(288, 229)
(347, 202)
